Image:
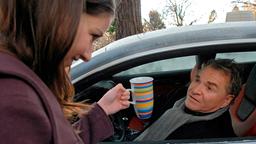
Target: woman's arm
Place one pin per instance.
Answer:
(95, 126)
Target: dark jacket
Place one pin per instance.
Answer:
(30, 113)
(216, 128)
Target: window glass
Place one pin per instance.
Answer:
(172, 64)
(239, 56)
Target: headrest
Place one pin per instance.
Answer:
(248, 103)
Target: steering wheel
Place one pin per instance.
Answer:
(93, 94)
(119, 128)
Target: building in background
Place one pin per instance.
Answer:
(237, 15)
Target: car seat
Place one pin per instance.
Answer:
(243, 112)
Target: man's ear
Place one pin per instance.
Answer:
(227, 100)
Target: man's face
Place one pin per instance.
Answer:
(208, 91)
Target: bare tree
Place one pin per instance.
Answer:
(212, 16)
(247, 5)
(155, 22)
(128, 20)
(245, 2)
(177, 10)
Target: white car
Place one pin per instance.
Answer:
(168, 56)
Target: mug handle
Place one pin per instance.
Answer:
(131, 102)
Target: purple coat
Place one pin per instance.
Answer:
(30, 113)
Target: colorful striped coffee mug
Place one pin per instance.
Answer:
(142, 96)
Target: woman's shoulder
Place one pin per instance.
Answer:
(18, 83)
(12, 69)
(16, 91)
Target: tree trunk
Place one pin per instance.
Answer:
(128, 18)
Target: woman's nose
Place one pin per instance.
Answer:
(86, 56)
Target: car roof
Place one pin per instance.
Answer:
(183, 40)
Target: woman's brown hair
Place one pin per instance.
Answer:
(40, 33)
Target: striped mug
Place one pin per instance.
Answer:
(142, 96)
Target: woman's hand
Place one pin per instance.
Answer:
(115, 100)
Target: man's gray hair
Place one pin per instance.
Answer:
(230, 67)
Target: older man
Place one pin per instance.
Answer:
(203, 113)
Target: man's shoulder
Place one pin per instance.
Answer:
(218, 127)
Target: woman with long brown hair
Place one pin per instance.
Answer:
(39, 39)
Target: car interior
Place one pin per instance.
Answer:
(169, 86)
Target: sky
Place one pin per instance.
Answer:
(199, 9)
